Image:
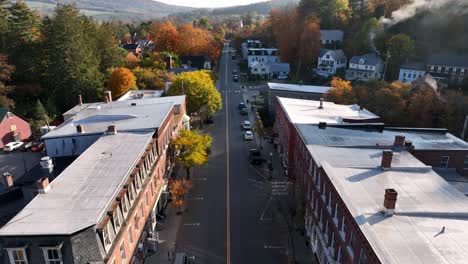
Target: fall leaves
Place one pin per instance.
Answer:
(121, 80)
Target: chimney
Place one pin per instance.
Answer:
(106, 99)
(321, 103)
(168, 61)
(79, 129)
(399, 141)
(387, 156)
(112, 130)
(43, 185)
(108, 94)
(8, 179)
(46, 162)
(80, 99)
(390, 199)
(322, 125)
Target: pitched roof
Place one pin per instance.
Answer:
(413, 65)
(3, 112)
(336, 54)
(446, 59)
(193, 61)
(334, 34)
(369, 59)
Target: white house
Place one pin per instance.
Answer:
(260, 68)
(411, 71)
(328, 37)
(365, 67)
(270, 70)
(262, 55)
(250, 44)
(329, 61)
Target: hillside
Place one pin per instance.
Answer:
(114, 9)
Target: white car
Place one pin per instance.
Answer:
(246, 125)
(248, 135)
(12, 146)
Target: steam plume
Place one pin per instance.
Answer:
(417, 6)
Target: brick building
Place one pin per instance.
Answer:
(338, 165)
(104, 207)
(12, 127)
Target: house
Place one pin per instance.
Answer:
(411, 71)
(279, 70)
(299, 91)
(146, 44)
(262, 55)
(448, 69)
(249, 44)
(331, 38)
(199, 62)
(329, 61)
(365, 67)
(12, 127)
(260, 68)
(136, 49)
(103, 207)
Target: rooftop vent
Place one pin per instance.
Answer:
(399, 141)
(112, 130)
(387, 156)
(46, 162)
(390, 200)
(43, 185)
(108, 94)
(8, 179)
(79, 129)
(321, 103)
(133, 104)
(322, 125)
(80, 99)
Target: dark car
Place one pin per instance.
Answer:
(209, 120)
(37, 146)
(25, 146)
(241, 105)
(236, 79)
(257, 161)
(234, 71)
(243, 111)
(254, 153)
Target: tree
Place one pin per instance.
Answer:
(199, 88)
(152, 79)
(193, 149)
(400, 47)
(179, 188)
(68, 60)
(165, 36)
(40, 117)
(4, 13)
(121, 81)
(131, 61)
(6, 71)
(285, 28)
(341, 91)
(334, 13)
(309, 45)
(364, 39)
(110, 54)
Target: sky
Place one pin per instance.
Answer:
(210, 3)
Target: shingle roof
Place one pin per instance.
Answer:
(369, 59)
(448, 60)
(332, 35)
(413, 65)
(279, 67)
(336, 54)
(193, 61)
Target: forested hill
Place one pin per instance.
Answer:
(114, 9)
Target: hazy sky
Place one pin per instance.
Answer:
(210, 3)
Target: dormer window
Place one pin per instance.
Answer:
(327, 56)
(52, 255)
(361, 61)
(17, 255)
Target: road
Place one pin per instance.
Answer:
(223, 223)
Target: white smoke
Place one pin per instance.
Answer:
(417, 6)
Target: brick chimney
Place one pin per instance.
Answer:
(79, 129)
(112, 130)
(168, 61)
(80, 99)
(399, 141)
(390, 199)
(321, 103)
(387, 156)
(43, 185)
(108, 94)
(8, 179)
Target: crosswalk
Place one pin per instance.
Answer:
(279, 188)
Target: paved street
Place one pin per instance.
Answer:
(230, 217)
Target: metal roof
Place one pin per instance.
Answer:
(300, 111)
(81, 194)
(96, 117)
(337, 135)
(430, 224)
(331, 34)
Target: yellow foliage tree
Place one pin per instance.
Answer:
(341, 91)
(193, 149)
(121, 80)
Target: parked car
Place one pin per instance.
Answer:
(209, 119)
(241, 105)
(246, 125)
(254, 153)
(37, 146)
(248, 135)
(12, 146)
(243, 111)
(234, 72)
(25, 147)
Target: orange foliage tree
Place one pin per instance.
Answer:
(341, 91)
(179, 189)
(120, 81)
(165, 36)
(284, 26)
(309, 43)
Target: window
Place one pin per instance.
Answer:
(343, 228)
(135, 221)
(444, 160)
(131, 193)
(352, 241)
(329, 201)
(130, 236)
(122, 251)
(332, 244)
(106, 236)
(404, 75)
(117, 220)
(465, 163)
(147, 199)
(17, 255)
(124, 205)
(12, 127)
(362, 257)
(52, 255)
(335, 217)
(338, 255)
(141, 209)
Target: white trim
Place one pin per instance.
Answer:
(46, 256)
(11, 257)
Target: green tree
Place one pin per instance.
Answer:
(40, 117)
(199, 88)
(399, 47)
(110, 54)
(69, 61)
(4, 13)
(364, 40)
(150, 79)
(6, 71)
(193, 149)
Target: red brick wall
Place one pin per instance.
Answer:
(433, 158)
(22, 128)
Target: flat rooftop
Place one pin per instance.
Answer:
(96, 117)
(338, 135)
(426, 203)
(300, 111)
(140, 94)
(81, 194)
(298, 88)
